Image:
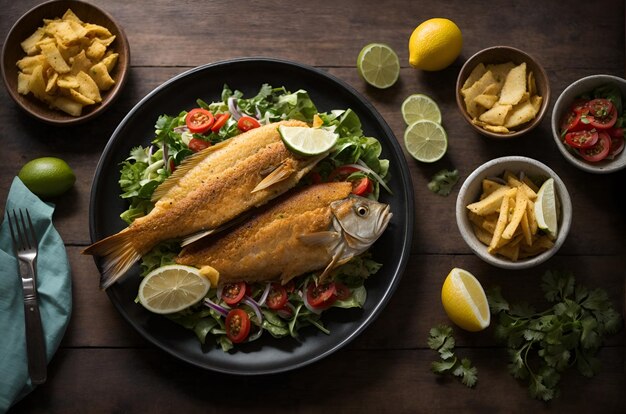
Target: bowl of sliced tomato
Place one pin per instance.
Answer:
(589, 122)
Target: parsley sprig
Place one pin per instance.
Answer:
(442, 341)
(542, 345)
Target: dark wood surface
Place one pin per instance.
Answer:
(105, 366)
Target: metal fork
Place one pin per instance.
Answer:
(25, 246)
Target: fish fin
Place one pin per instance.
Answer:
(118, 255)
(319, 238)
(333, 263)
(187, 165)
(204, 233)
(196, 236)
(280, 173)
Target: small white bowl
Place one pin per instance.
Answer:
(561, 106)
(470, 192)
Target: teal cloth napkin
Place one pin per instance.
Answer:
(54, 285)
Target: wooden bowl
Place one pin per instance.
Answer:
(561, 108)
(503, 54)
(27, 24)
(470, 192)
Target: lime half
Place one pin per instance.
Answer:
(378, 65)
(419, 107)
(307, 141)
(172, 288)
(546, 209)
(426, 141)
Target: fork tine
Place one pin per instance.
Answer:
(20, 233)
(32, 229)
(30, 240)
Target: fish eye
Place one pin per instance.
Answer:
(362, 211)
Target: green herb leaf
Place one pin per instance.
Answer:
(568, 333)
(442, 182)
(440, 339)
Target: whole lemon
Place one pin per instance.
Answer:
(47, 176)
(435, 44)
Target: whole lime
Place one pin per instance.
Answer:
(47, 176)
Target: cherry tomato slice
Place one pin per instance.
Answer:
(600, 108)
(362, 187)
(220, 121)
(246, 123)
(199, 120)
(321, 296)
(197, 145)
(571, 121)
(617, 146)
(342, 292)
(237, 325)
(581, 139)
(290, 286)
(599, 151)
(277, 298)
(172, 165)
(580, 106)
(604, 122)
(232, 293)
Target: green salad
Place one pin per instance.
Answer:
(281, 311)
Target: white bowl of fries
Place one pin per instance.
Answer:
(513, 237)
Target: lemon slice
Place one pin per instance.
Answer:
(378, 65)
(172, 288)
(546, 208)
(307, 141)
(426, 141)
(419, 107)
(464, 301)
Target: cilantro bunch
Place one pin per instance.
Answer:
(542, 345)
(442, 341)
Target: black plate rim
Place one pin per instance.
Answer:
(407, 199)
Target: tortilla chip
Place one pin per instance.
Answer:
(530, 82)
(520, 114)
(497, 129)
(514, 85)
(29, 45)
(476, 89)
(500, 71)
(496, 115)
(486, 101)
(476, 74)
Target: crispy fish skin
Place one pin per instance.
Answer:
(213, 187)
(300, 233)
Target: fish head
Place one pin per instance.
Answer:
(361, 220)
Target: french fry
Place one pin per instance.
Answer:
(503, 218)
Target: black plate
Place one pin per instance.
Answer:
(266, 355)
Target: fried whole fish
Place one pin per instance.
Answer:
(206, 191)
(318, 227)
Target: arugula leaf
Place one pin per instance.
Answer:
(569, 333)
(440, 339)
(442, 182)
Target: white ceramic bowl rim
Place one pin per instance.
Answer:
(486, 170)
(577, 87)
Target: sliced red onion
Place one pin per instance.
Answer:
(265, 294)
(255, 307)
(259, 115)
(181, 128)
(220, 289)
(363, 167)
(255, 335)
(232, 107)
(217, 308)
(165, 153)
(150, 149)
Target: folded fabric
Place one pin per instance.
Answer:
(54, 285)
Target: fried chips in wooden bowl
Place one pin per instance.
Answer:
(65, 61)
(502, 92)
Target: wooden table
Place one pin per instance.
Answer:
(103, 365)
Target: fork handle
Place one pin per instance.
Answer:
(35, 342)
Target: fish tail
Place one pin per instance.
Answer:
(118, 253)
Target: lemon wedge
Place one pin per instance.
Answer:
(172, 288)
(465, 301)
(546, 208)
